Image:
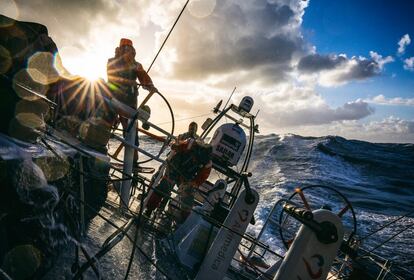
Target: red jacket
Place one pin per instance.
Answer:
(185, 147)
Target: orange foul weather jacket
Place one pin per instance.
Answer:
(184, 148)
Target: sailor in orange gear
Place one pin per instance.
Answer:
(189, 164)
(123, 71)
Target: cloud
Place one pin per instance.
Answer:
(256, 45)
(409, 64)
(239, 38)
(382, 100)
(260, 37)
(334, 70)
(403, 43)
(391, 125)
(87, 32)
(391, 129)
(291, 106)
(67, 18)
(317, 62)
(325, 115)
(284, 106)
(379, 60)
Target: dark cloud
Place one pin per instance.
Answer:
(352, 111)
(255, 45)
(67, 18)
(271, 15)
(410, 126)
(249, 53)
(320, 114)
(338, 69)
(238, 36)
(316, 62)
(363, 69)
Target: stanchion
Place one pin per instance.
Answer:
(128, 165)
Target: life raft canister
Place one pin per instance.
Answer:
(228, 143)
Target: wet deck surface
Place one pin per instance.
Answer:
(114, 264)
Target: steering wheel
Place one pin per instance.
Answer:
(317, 197)
(166, 141)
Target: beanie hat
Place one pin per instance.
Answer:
(125, 42)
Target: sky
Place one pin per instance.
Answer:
(313, 67)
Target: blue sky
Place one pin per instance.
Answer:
(356, 28)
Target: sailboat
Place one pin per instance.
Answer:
(213, 242)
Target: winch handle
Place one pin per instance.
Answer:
(326, 232)
(298, 213)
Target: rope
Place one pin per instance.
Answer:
(29, 90)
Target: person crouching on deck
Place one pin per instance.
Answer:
(191, 133)
(188, 166)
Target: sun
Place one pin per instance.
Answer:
(90, 72)
(87, 64)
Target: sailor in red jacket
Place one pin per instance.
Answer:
(188, 166)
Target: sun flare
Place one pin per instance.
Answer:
(90, 65)
(90, 72)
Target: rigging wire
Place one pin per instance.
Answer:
(153, 61)
(168, 35)
(137, 220)
(91, 261)
(388, 239)
(225, 105)
(228, 100)
(386, 225)
(4, 275)
(184, 119)
(125, 232)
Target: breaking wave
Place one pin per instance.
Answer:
(378, 179)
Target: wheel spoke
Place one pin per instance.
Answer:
(343, 211)
(118, 150)
(302, 196)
